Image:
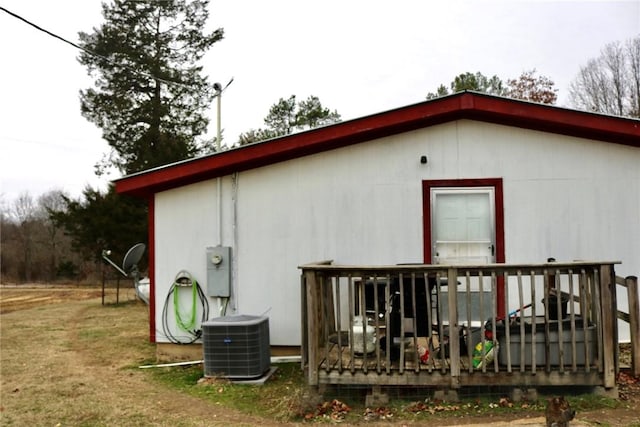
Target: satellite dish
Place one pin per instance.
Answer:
(132, 257)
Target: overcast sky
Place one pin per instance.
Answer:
(359, 57)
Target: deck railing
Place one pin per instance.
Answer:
(457, 325)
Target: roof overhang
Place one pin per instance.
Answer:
(464, 105)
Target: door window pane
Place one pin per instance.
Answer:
(463, 217)
(463, 225)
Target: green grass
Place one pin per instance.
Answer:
(283, 398)
(588, 402)
(278, 399)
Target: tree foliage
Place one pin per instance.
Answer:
(527, 86)
(101, 221)
(288, 116)
(150, 95)
(610, 83)
(468, 81)
(33, 247)
(149, 98)
(55, 237)
(25, 214)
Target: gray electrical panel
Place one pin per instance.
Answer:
(219, 271)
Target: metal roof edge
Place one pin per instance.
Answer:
(462, 105)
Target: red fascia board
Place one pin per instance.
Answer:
(292, 146)
(465, 105)
(546, 118)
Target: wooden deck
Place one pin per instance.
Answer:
(513, 309)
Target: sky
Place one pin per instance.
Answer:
(359, 57)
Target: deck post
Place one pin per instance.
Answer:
(609, 325)
(304, 359)
(313, 326)
(631, 283)
(454, 342)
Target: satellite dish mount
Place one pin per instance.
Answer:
(129, 265)
(129, 262)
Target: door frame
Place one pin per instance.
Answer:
(496, 184)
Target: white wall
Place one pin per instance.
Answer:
(185, 225)
(563, 197)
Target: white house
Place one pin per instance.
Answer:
(530, 182)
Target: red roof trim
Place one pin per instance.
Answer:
(152, 269)
(465, 105)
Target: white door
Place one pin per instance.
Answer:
(463, 225)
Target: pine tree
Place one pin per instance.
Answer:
(468, 81)
(149, 99)
(101, 221)
(150, 95)
(288, 116)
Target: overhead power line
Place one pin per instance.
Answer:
(26, 21)
(49, 33)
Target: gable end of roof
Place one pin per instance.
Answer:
(464, 105)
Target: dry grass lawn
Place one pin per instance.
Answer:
(67, 360)
(73, 362)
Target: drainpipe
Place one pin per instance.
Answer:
(219, 89)
(218, 148)
(234, 220)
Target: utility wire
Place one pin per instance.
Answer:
(15, 15)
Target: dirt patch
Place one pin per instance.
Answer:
(22, 297)
(12, 299)
(67, 359)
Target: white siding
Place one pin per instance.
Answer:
(563, 197)
(185, 225)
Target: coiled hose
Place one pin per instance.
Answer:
(186, 323)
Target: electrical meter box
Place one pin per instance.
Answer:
(219, 271)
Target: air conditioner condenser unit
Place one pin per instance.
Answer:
(236, 346)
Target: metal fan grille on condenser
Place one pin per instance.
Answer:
(236, 347)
